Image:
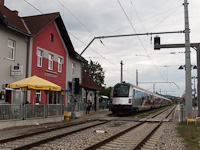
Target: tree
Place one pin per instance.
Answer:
(106, 91)
(95, 71)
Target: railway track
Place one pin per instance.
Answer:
(136, 136)
(30, 140)
(41, 139)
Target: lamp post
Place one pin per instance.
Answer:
(167, 71)
(121, 63)
(193, 67)
(136, 77)
(95, 100)
(194, 89)
(63, 95)
(24, 89)
(46, 92)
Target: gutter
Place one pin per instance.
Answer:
(20, 31)
(27, 56)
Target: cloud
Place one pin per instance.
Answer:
(87, 19)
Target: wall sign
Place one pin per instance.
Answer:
(50, 74)
(16, 70)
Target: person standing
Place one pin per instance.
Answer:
(103, 103)
(88, 106)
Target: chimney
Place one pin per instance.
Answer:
(2, 2)
(16, 12)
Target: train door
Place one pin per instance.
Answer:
(133, 98)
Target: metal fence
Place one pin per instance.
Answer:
(78, 107)
(29, 111)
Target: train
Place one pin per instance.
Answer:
(127, 99)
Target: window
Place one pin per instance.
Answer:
(51, 37)
(90, 97)
(121, 90)
(11, 49)
(39, 58)
(59, 64)
(38, 97)
(50, 62)
(73, 69)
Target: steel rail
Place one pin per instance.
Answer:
(95, 146)
(2, 141)
(146, 138)
(141, 143)
(102, 143)
(43, 141)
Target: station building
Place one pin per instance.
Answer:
(40, 45)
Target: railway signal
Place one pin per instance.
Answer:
(157, 43)
(75, 85)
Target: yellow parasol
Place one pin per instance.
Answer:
(35, 83)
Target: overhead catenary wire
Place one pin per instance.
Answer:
(114, 64)
(90, 32)
(100, 39)
(76, 18)
(33, 7)
(165, 18)
(142, 20)
(138, 16)
(141, 41)
(63, 6)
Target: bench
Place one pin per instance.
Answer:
(192, 119)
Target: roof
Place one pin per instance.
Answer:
(12, 20)
(88, 82)
(39, 22)
(105, 97)
(33, 25)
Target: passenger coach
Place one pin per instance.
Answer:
(128, 98)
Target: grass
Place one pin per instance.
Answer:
(191, 134)
(116, 124)
(149, 113)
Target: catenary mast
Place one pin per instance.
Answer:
(188, 85)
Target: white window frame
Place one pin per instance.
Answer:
(39, 57)
(60, 60)
(73, 69)
(11, 49)
(50, 66)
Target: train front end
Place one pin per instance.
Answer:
(121, 99)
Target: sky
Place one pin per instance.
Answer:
(86, 19)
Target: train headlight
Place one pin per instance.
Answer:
(129, 101)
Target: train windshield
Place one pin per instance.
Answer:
(121, 90)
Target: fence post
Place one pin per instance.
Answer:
(182, 109)
(45, 111)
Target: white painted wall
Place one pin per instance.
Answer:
(19, 58)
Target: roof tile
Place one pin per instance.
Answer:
(88, 82)
(39, 22)
(12, 19)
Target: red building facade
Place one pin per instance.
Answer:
(49, 44)
(49, 54)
